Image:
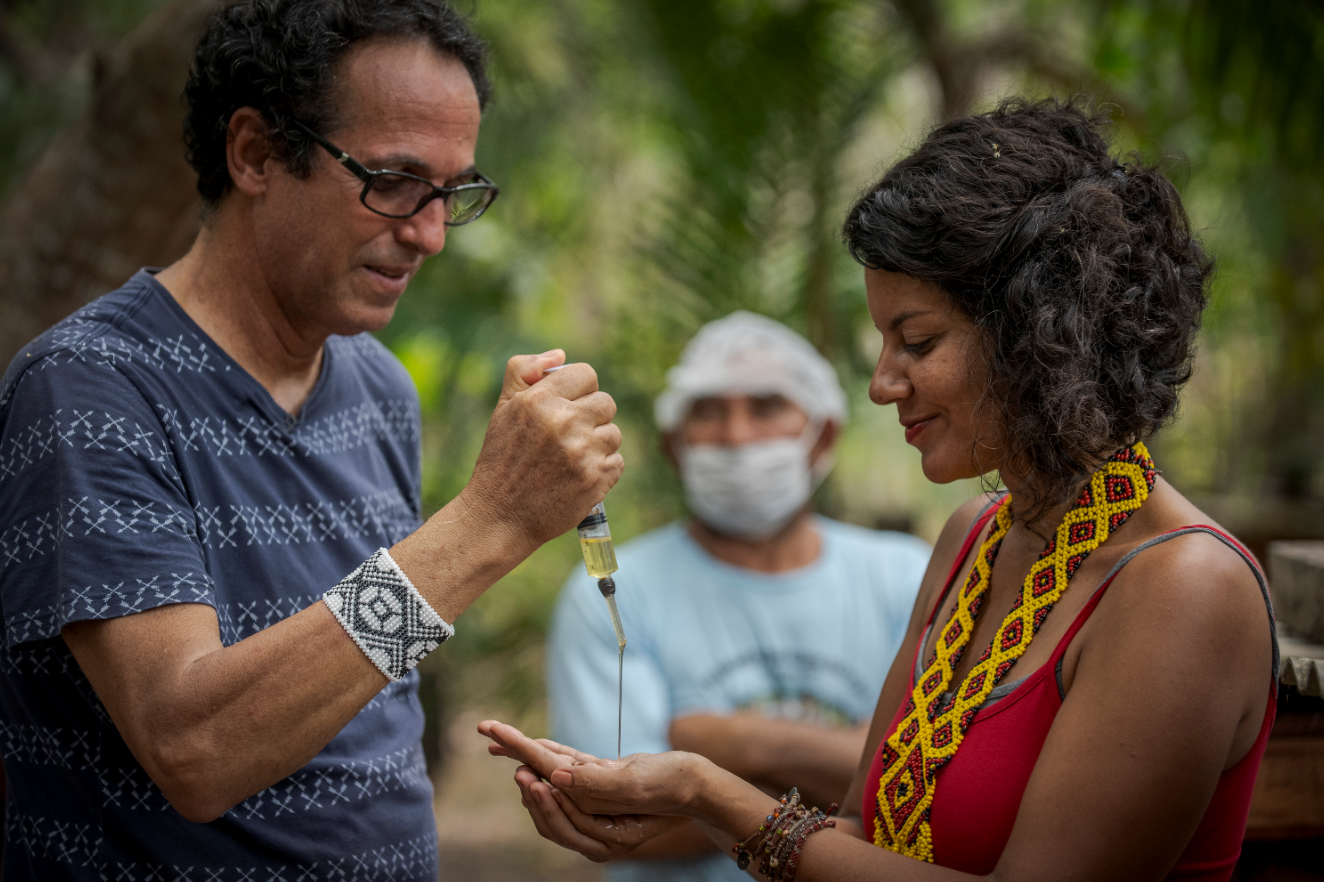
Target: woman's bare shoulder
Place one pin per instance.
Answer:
(1191, 602)
(1188, 560)
(1184, 568)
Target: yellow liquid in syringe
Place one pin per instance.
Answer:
(599, 557)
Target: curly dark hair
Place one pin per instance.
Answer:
(279, 56)
(1079, 270)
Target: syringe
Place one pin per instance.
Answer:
(600, 561)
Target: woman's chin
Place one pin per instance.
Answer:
(936, 473)
(943, 470)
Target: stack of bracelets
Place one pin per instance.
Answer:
(781, 836)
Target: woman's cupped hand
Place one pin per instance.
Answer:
(603, 809)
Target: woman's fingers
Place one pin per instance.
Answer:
(564, 750)
(624, 832)
(643, 783)
(529, 785)
(516, 745)
(525, 775)
(542, 754)
(616, 835)
(598, 837)
(553, 824)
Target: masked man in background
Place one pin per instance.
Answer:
(760, 633)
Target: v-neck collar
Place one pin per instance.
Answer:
(240, 382)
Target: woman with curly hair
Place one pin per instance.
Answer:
(1088, 681)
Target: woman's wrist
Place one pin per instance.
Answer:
(723, 800)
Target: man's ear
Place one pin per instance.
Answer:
(827, 439)
(247, 151)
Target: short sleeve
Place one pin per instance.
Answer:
(95, 522)
(582, 676)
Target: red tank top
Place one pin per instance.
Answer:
(995, 760)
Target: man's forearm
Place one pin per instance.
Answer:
(213, 724)
(458, 554)
(819, 760)
(774, 753)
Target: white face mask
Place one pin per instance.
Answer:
(754, 490)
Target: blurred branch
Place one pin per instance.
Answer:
(113, 193)
(15, 51)
(1271, 55)
(961, 64)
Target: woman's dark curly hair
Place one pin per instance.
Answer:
(279, 56)
(1079, 270)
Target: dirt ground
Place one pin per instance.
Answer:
(485, 834)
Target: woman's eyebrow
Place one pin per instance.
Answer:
(904, 317)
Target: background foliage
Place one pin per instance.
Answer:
(664, 162)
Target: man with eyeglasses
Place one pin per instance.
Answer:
(214, 576)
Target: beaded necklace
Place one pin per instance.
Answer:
(928, 735)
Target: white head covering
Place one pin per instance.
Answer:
(748, 354)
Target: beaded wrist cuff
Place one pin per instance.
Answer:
(383, 612)
(781, 836)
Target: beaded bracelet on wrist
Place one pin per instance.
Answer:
(781, 837)
(385, 615)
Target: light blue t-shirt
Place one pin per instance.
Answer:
(704, 636)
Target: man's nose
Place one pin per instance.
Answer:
(739, 427)
(425, 231)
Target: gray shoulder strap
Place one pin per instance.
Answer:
(1250, 562)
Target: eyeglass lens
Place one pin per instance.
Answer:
(400, 195)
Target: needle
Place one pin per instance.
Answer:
(609, 592)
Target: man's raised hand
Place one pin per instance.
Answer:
(551, 451)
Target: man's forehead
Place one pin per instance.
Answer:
(742, 399)
(388, 85)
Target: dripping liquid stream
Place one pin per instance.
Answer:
(620, 665)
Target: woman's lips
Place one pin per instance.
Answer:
(913, 430)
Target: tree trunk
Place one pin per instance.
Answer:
(113, 193)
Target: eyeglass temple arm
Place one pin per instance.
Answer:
(356, 168)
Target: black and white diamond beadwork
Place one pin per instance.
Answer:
(390, 621)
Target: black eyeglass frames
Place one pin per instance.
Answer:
(399, 194)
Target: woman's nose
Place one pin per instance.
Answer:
(888, 385)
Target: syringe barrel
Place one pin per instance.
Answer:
(595, 542)
(595, 525)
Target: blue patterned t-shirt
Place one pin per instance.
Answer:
(140, 466)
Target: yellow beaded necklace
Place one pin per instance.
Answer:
(928, 735)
